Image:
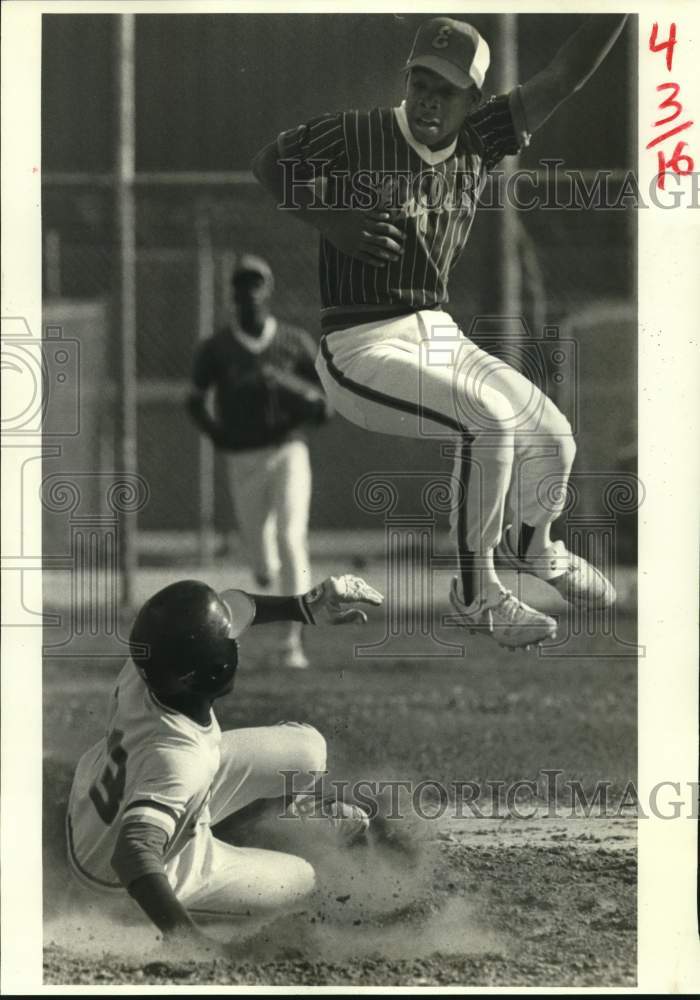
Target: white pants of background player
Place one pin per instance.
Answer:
(271, 492)
(419, 376)
(213, 878)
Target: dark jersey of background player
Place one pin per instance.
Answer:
(431, 194)
(261, 369)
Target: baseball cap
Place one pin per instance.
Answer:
(453, 49)
(248, 263)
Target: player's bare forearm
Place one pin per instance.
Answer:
(197, 409)
(138, 863)
(581, 55)
(268, 172)
(156, 898)
(571, 68)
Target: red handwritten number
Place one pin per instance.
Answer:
(674, 163)
(679, 162)
(667, 135)
(668, 102)
(669, 44)
(106, 793)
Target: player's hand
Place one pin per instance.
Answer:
(328, 599)
(368, 236)
(193, 942)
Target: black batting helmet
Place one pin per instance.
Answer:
(180, 641)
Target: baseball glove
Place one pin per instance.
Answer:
(327, 600)
(300, 397)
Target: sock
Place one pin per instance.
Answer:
(535, 539)
(478, 575)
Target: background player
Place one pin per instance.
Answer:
(144, 798)
(384, 277)
(266, 390)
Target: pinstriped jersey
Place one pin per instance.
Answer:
(153, 765)
(369, 159)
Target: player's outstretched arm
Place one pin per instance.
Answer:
(571, 68)
(331, 603)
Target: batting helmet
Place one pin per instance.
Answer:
(180, 641)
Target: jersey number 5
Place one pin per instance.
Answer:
(107, 792)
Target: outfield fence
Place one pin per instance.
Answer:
(576, 288)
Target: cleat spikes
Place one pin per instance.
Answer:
(500, 616)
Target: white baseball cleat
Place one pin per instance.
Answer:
(499, 615)
(347, 822)
(576, 580)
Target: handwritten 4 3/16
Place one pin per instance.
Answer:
(679, 162)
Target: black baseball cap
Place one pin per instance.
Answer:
(249, 263)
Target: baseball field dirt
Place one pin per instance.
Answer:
(494, 892)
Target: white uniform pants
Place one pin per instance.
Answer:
(214, 878)
(271, 492)
(419, 376)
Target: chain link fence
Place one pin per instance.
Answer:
(577, 285)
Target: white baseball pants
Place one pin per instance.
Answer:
(271, 492)
(213, 878)
(419, 376)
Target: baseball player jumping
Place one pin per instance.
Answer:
(266, 392)
(145, 796)
(393, 192)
